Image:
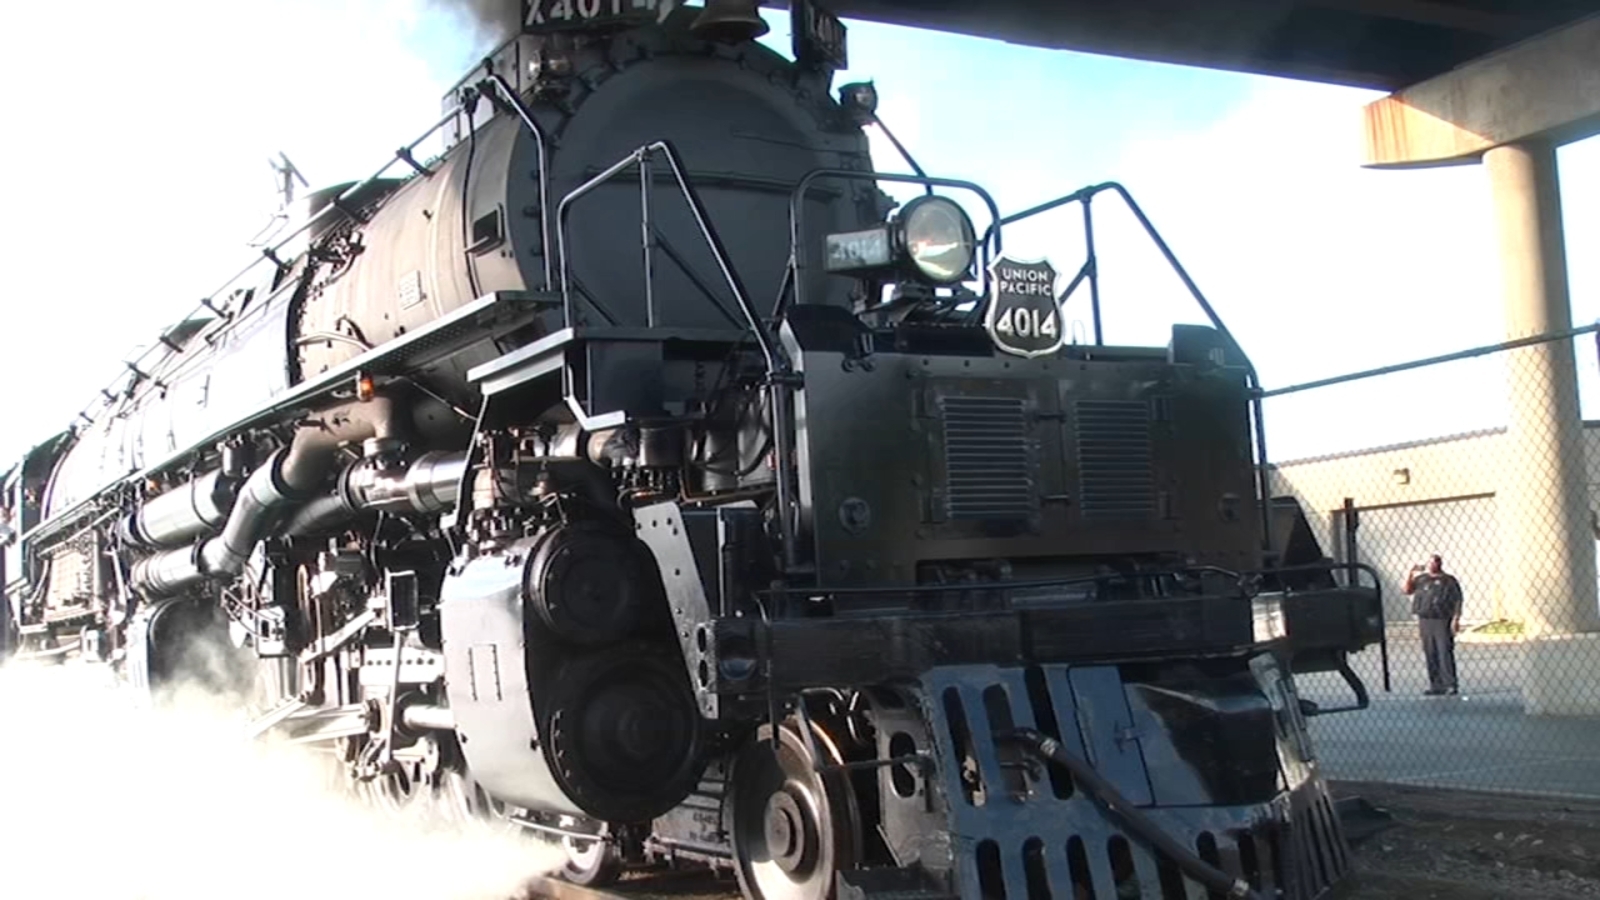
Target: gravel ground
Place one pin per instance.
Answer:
(1467, 846)
(1428, 844)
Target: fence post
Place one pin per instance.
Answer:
(1352, 555)
(1352, 521)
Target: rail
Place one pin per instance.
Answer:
(405, 154)
(777, 366)
(1352, 569)
(1483, 350)
(513, 104)
(1090, 272)
(641, 158)
(793, 278)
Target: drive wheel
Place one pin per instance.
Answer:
(591, 863)
(792, 828)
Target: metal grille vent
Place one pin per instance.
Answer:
(1115, 460)
(988, 468)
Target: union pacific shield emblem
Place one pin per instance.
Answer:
(1024, 318)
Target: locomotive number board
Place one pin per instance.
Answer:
(817, 35)
(564, 15)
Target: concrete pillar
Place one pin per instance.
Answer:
(1544, 500)
(1547, 538)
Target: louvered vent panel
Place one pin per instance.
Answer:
(1115, 461)
(986, 458)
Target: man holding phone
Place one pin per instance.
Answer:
(1436, 602)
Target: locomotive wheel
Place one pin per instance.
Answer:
(591, 863)
(468, 801)
(404, 784)
(791, 827)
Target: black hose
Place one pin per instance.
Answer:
(1135, 821)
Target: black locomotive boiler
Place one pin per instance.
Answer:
(638, 473)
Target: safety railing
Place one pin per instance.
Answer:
(641, 159)
(494, 87)
(511, 103)
(777, 367)
(141, 365)
(1089, 272)
(794, 284)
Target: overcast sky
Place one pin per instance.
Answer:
(137, 171)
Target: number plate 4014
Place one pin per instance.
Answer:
(1024, 317)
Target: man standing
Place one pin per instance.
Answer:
(1436, 602)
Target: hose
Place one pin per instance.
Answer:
(1050, 750)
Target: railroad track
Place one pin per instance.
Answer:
(645, 885)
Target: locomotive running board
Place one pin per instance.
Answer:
(550, 354)
(486, 318)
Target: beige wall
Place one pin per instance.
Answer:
(1445, 500)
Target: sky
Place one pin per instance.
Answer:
(137, 171)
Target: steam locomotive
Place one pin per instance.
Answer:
(637, 472)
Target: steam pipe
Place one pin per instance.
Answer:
(281, 492)
(177, 517)
(429, 484)
(288, 479)
(317, 516)
(262, 500)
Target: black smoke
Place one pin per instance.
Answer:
(491, 22)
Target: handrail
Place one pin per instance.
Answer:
(1084, 196)
(1091, 271)
(520, 110)
(1353, 567)
(777, 375)
(640, 157)
(404, 154)
(797, 263)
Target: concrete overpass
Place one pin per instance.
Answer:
(1496, 82)
(1379, 44)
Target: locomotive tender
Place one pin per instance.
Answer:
(636, 473)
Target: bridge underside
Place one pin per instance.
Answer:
(1378, 44)
(1497, 82)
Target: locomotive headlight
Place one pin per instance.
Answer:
(939, 239)
(932, 240)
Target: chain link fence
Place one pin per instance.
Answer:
(1483, 458)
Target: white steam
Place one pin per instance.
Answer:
(103, 798)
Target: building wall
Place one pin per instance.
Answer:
(1415, 499)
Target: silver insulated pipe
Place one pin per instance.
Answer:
(429, 484)
(287, 480)
(186, 512)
